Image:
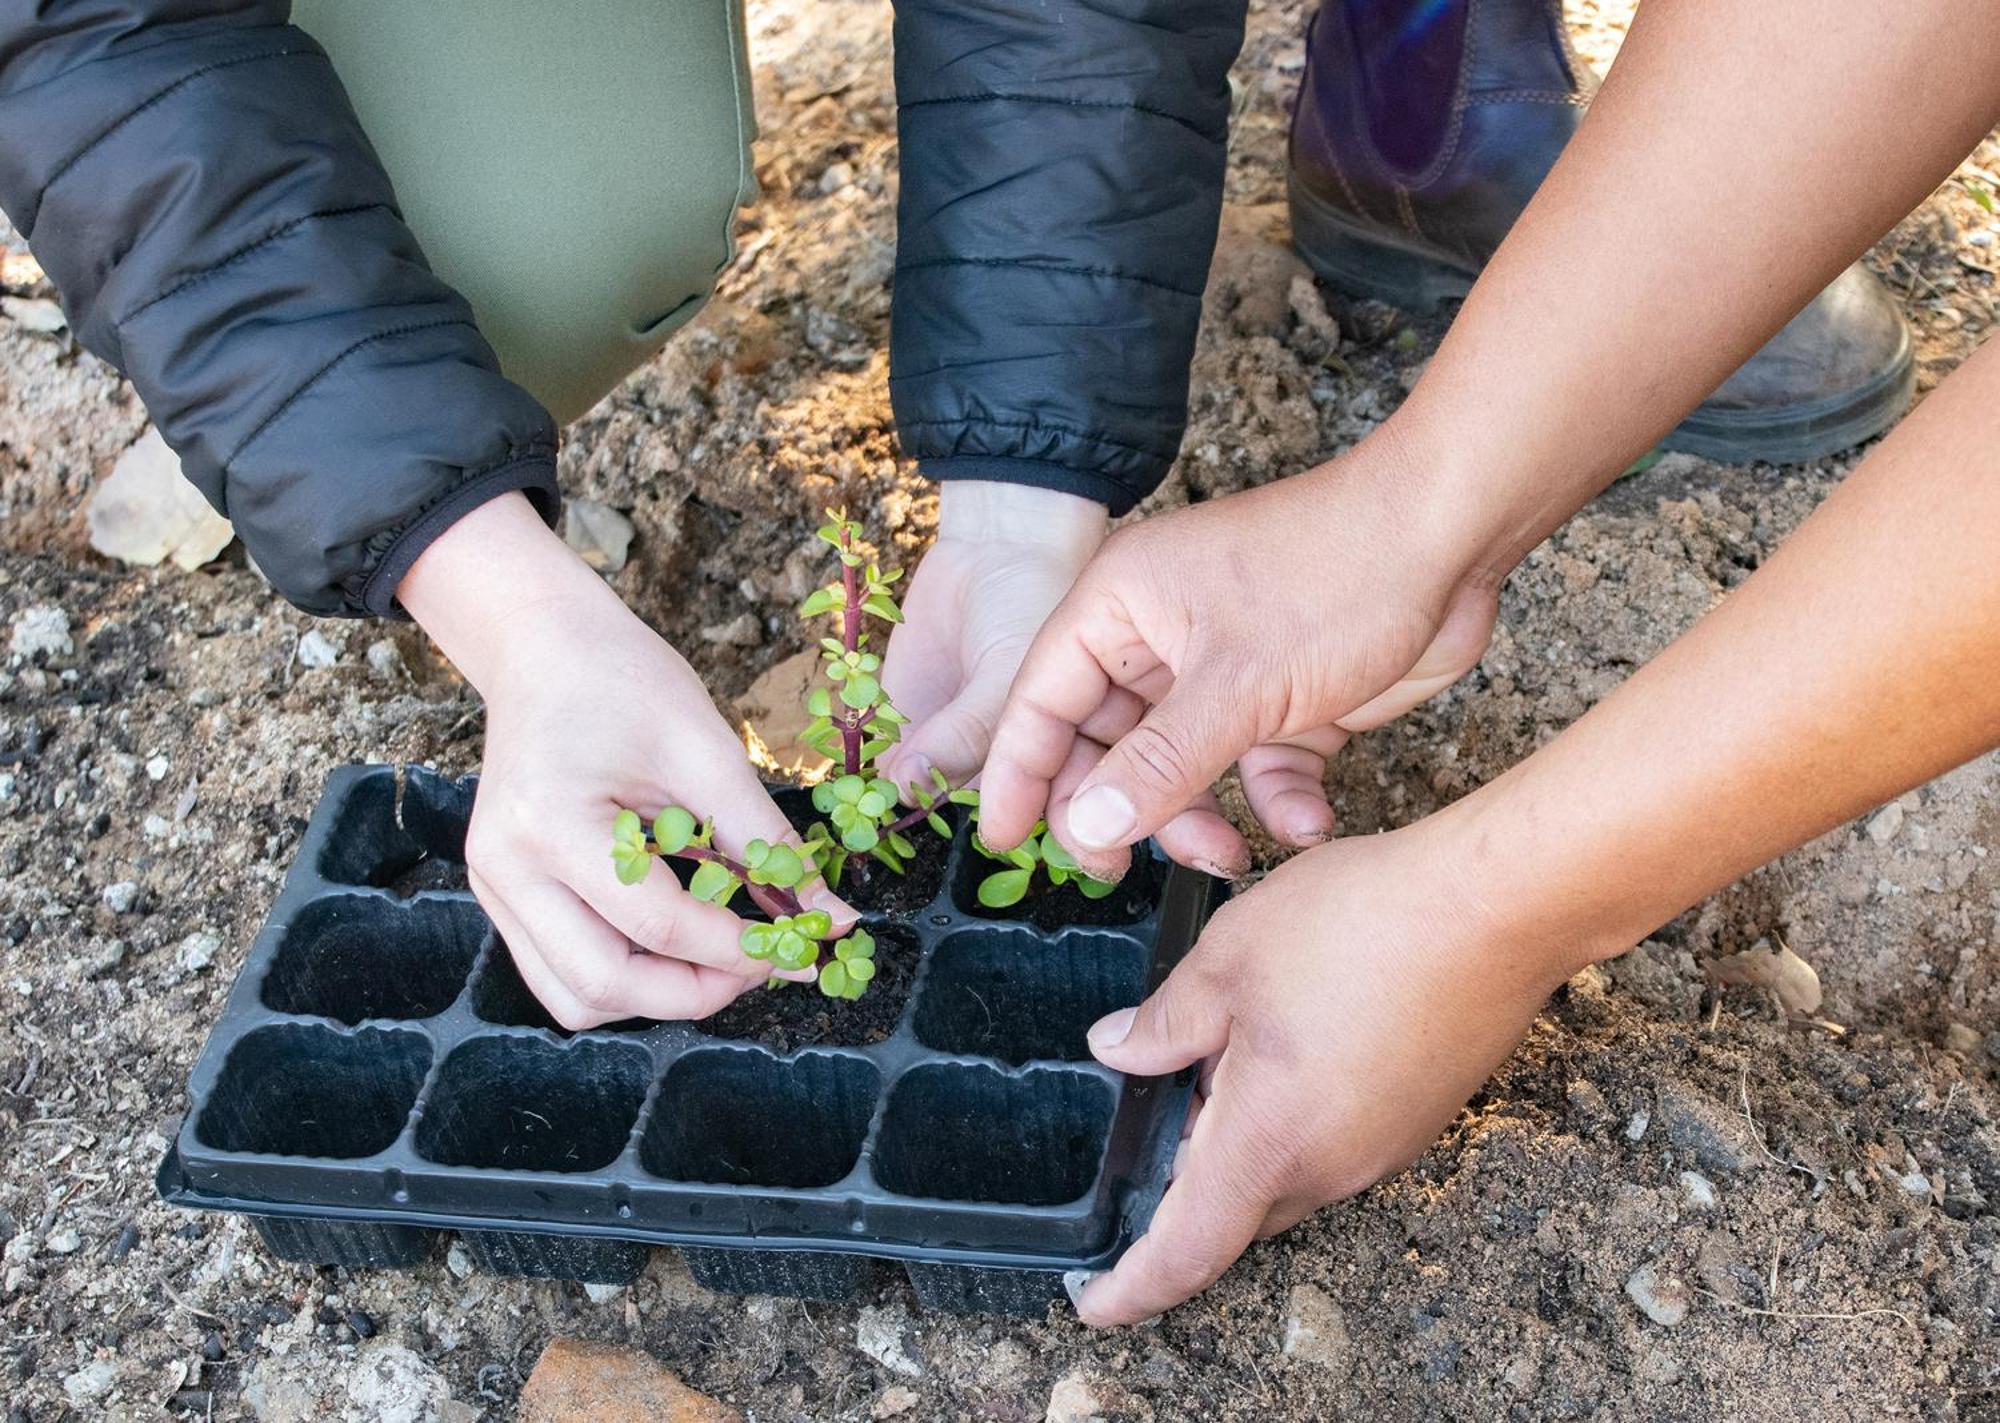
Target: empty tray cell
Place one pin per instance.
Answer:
(358, 956)
(966, 1133)
(980, 1289)
(499, 995)
(436, 812)
(739, 1117)
(797, 1274)
(522, 1104)
(300, 1089)
(365, 844)
(1015, 995)
(1052, 907)
(354, 1244)
(586, 1259)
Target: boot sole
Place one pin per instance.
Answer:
(1368, 263)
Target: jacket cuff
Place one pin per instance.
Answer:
(1116, 497)
(534, 474)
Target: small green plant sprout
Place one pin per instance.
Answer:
(853, 723)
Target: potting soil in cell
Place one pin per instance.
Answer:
(381, 1074)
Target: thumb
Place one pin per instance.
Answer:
(1185, 1020)
(1158, 768)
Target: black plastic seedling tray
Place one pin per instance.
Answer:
(380, 1075)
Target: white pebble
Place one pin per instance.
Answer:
(316, 651)
(198, 950)
(119, 898)
(1700, 1190)
(157, 768)
(42, 629)
(1884, 824)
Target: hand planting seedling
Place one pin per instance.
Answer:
(853, 723)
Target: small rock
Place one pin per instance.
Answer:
(122, 897)
(65, 1241)
(601, 536)
(198, 950)
(743, 630)
(1074, 1400)
(385, 659)
(145, 511)
(1635, 1128)
(458, 1262)
(42, 629)
(603, 1294)
(894, 1402)
(36, 314)
(361, 1323)
(106, 959)
(92, 1381)
(1700, 1190)
(1661, 1298)
(316, 651)
(1884, 824)
(775, 708)
(1961, 1039)
(881, 1333)
(1717, 1138)
(157, 768)
(836, 177)
(1316, 1331)
(607, 1383)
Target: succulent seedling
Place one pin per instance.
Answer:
(853, 723)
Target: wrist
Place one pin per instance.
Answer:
(991, 511)
(499, 588)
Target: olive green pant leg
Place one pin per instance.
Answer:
(573, 169)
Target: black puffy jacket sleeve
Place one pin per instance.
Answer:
(191, 176)
(1062, 167)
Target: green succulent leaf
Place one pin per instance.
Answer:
(859, 690)
(888, 857)
(1093, 888)
(833, 979)
(1055, 856)
(823, 600)
(871, 749)
(823, 797)
(883, 607)
(819, 702)
(712, 882)
(674, 830)
(963, 797)
(814, 923)
(631, 862)
(902, 846)
(1022, 856)
(939, 824)
(759, 941)
(860, 970)
(873, 804)
(861, 836)
(1008, 887)
(849, 789)
(858, 945)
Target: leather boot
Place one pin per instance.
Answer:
(1422, 128)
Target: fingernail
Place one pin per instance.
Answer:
(1101, 817)
(1112, 1029)
(1306, 833)
(797, 975)
(1210, 867)
(1075, 1282)
(831, 904)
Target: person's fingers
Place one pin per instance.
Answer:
(664, 919)
(722, 785)
(1207, 1218)
(1107, 865)
(1183, 1021)
(1157, 769)
(1284, 781)
(535, 973)
(955, 738)
(1201, 838)
(599, 970)
(1060, 684)
(1284, 1215)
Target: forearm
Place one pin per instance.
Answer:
(1737, 158)
(1857, 663)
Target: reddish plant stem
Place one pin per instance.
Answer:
(906, 821)
(850, 638)
(773, 900)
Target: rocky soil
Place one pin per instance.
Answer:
(1668, 1204)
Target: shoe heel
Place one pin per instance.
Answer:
(1365, 264)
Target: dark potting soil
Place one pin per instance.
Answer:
(429, 873)
(874, 888)
(799, 1015)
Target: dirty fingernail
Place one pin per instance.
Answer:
(1219, 871)
(1101, 817)
(1074, 1284)
(1112, 1029)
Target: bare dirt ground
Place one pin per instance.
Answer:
(1835, 1249)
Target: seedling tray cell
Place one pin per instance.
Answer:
(380, 1076)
